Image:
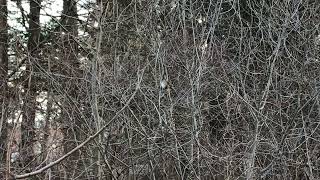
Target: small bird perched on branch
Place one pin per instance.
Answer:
(163, 84)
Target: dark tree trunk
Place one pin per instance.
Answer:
(29, 106)
(3, 84)
(71, 121)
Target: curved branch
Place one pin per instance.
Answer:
(22, 176)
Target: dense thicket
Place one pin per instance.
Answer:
(180, 89)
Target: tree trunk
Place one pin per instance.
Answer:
(29, 106)
(3, 83)
(73, 131)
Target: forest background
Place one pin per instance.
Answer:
(159, 89)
